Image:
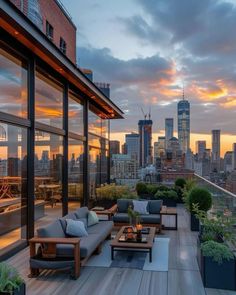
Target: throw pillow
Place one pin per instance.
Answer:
(140, 207)
(75, 228)
(92, 218)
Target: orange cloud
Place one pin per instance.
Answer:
(229, 103)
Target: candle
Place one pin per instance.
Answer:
(139, 226)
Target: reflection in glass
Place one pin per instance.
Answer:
(94, 170)
(13, 173)
(75, 109)
(105, 128)
(94, 141)
(48, 176)
(13, 84)
(94, 123)
(48, 101)
(75, 173)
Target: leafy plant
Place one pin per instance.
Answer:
(200, 196)
(163, 188)
(218, 252)
(180, 182)
(190, 184)
(114, 192)
(141, 188)
(152, 188)
(216, 227)
(10, 280)
(132, 213)
(171, 194)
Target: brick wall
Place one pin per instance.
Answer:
(62, 26)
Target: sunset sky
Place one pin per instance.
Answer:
(148, 49)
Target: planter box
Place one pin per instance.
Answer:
(169, 202)
(217, 276)
(194, 222)
(21, 291)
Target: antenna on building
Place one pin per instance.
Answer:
(149, 114)
(183, 90)
(145, 115)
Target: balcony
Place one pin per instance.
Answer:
(182, 277)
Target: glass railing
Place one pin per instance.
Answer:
(222, 199)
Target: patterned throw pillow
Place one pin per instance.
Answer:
(75, 228)
(92, 218)
(140, 207)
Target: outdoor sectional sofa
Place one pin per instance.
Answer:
(153, 218)
(57, 250)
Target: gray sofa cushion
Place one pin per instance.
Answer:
(53, 230)
(87, 246)
(121, 217)
(82, 212)
(103, 229)
(154, 206)
(63, 219)
(123, 204)
(150, 218)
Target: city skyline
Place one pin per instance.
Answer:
(158, 57)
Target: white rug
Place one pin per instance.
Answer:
(160, 256)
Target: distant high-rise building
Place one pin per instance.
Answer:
(200, 148)
(184, 124)
(114, 147)
(145, 146)
(228, 161)
(215, 158)
(159, 148)
(132, 142)
(169, 129)
(234, 157)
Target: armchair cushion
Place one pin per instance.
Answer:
(82, 212)
(123, 205)
(92, 218)
(154, 206)
(53, 230)
(140, 207)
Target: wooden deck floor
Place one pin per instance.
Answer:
(183, 277)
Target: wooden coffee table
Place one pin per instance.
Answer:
(116, 245)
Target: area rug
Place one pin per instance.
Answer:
(131, 259)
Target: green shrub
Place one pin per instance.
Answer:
(114, 192)
(171, 194)
(141, 188)
(9, 279)
(163, 188)
(180, 182)
(217, 251)
(152, 188)
(200, 197)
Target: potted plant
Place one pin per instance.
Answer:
(134, 217)
(10, 281)
(179, 188)
(142, 190)
(217, 266)
(203, 199)
(169, 197)
(152, 189)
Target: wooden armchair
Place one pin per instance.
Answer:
(46, 258)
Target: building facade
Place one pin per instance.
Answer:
(169, 130)
(215, 156)
(114, 147)
(54, 131)
(145, 145)
(183, 112)
(132, 142)
(234, 157)
(200, 148)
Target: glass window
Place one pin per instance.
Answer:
(94, 141)
(94, 123)
(13, 83)
(13, 194)
(75, 174)
(105, 128)
(48, 176)
(104, 166)
(62, 45)
(49, 30)
(76, 120)
(94, 170)
(48, 101)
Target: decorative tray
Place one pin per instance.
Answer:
(124, 239)
(144, 230)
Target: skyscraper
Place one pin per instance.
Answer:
(234, 157)
(184, 124)
(114, 147)
(200, 148)
(169, 129)
(145, 142)
(215, 157)
(132, 145)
